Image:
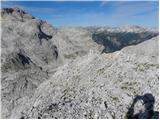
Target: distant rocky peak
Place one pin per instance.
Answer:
(16, 11)
(11, 10)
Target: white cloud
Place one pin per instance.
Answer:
(103, 3)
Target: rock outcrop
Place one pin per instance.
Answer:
(52, 72)
(27, 50)
(97, 86)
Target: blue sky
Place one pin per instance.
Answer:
(92, 13)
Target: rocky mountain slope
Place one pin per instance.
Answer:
(52, 72)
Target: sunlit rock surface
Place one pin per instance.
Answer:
(78, 72)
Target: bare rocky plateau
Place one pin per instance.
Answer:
(77, 72)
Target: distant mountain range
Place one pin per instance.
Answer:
(76, 72)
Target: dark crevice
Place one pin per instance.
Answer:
(55, 51)
(22, 117)
(24, 59)
(105, 104)
(43, 35)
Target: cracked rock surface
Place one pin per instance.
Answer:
(50, 72)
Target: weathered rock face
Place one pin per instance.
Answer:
(31, 50)
(27, 37)
(76, 42)
(61, 73)
(91, 88)
(26, 51)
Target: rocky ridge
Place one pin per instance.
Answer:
(52, 72)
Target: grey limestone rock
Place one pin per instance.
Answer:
(50, 72)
